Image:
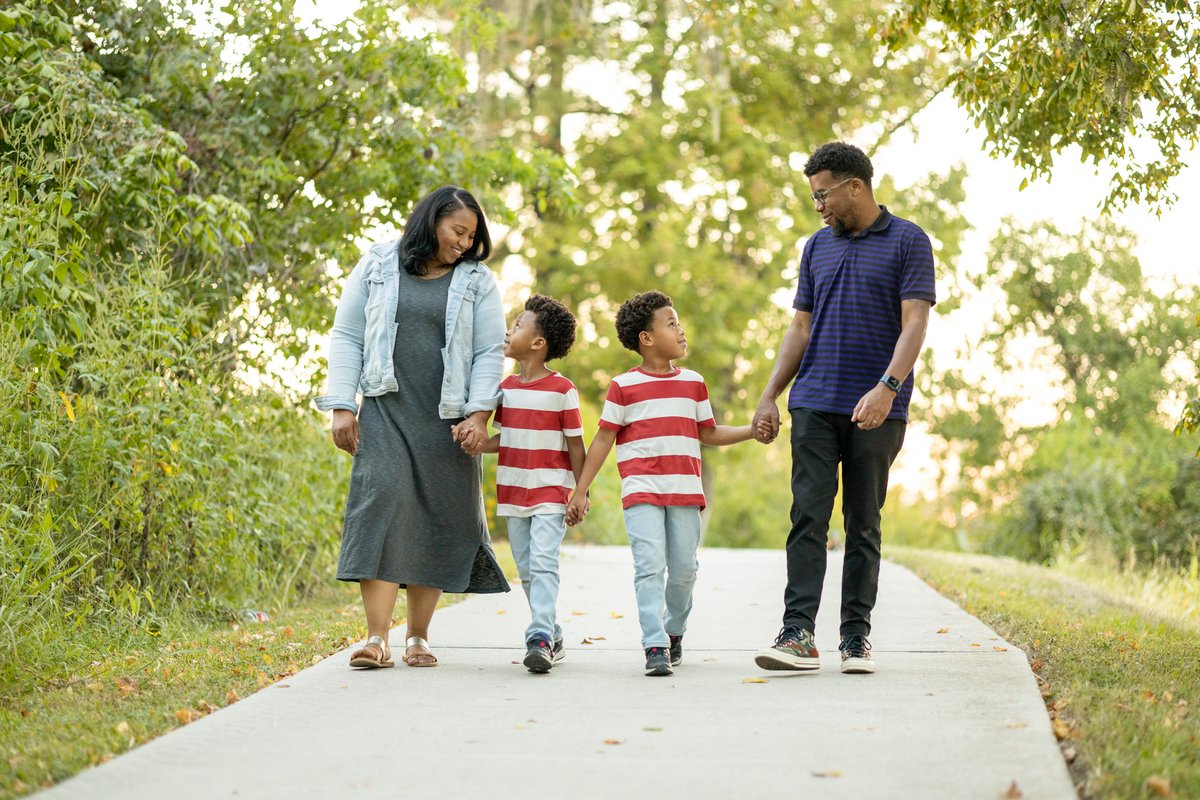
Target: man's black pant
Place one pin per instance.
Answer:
(819, 442)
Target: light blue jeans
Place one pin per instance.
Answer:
(664, 542)
(535, 543)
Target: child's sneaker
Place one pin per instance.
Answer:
(676, 650)
(539, 657)
(658, 662)
(793, 650)
(558, 654)
(856, 654)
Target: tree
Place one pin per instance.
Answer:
(270, 148)
(688, 123)
(1080, 303)
(1118, 81)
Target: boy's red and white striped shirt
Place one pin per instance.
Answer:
(658, 420)
(533, 475)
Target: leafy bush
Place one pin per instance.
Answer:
(1115, 497)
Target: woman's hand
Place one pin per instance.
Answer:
(471, 433)
(345, 430)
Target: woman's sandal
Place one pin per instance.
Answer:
(426, 659)
(365, 658)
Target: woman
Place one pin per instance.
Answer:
(419, 331)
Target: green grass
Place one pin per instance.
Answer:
(1121, 682)
(97, 692)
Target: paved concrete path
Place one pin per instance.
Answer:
(948, 715)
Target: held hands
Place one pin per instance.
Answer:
(765, 424)
(470, 435)
(873, 408)
(345, 430)
(578, 508)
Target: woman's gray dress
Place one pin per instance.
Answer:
(415, 511)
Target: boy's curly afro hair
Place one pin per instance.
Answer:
(556, 323)
(636, 314)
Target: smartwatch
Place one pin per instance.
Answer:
(891, 383)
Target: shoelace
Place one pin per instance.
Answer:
(789, 634)
(855, 646)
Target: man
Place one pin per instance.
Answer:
(862, 306)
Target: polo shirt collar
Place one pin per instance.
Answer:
(880, 224)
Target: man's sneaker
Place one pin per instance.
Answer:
(856, 654)
(793, 650)
(539, 657)
(658, 661)
(558, 654)
(676, 650)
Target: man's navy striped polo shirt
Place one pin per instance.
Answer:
(853, 285)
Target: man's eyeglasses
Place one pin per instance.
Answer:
(821, 196)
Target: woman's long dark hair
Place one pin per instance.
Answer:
(419, 242)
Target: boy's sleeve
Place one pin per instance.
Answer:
(704, 413)
(571, 420)
(613, 415)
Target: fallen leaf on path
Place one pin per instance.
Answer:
(833, 773)
(710, 659)
(754, 680)
(613, 741)
(652, 729)
(1000, 649)
(976, 644)
(501, 611)
(615, 615)
(865, 728)
(283, 686)
(1159, 785)
(1017, 725)
(943, 630)
(599, 638)
(1013, 792)
(578, 613)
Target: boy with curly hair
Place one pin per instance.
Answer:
(657, 415)
(541, 451)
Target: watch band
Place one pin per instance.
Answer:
(891, 383)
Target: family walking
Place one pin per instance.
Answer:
(420, 335)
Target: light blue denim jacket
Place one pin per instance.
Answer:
(364, 337)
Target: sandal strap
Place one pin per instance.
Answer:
(415, 641)
(384, 654)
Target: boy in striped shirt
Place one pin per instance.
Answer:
(541, 454)
(657, 415)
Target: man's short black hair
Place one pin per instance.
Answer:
(556, 323)
(636, 314)
(843, 160)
